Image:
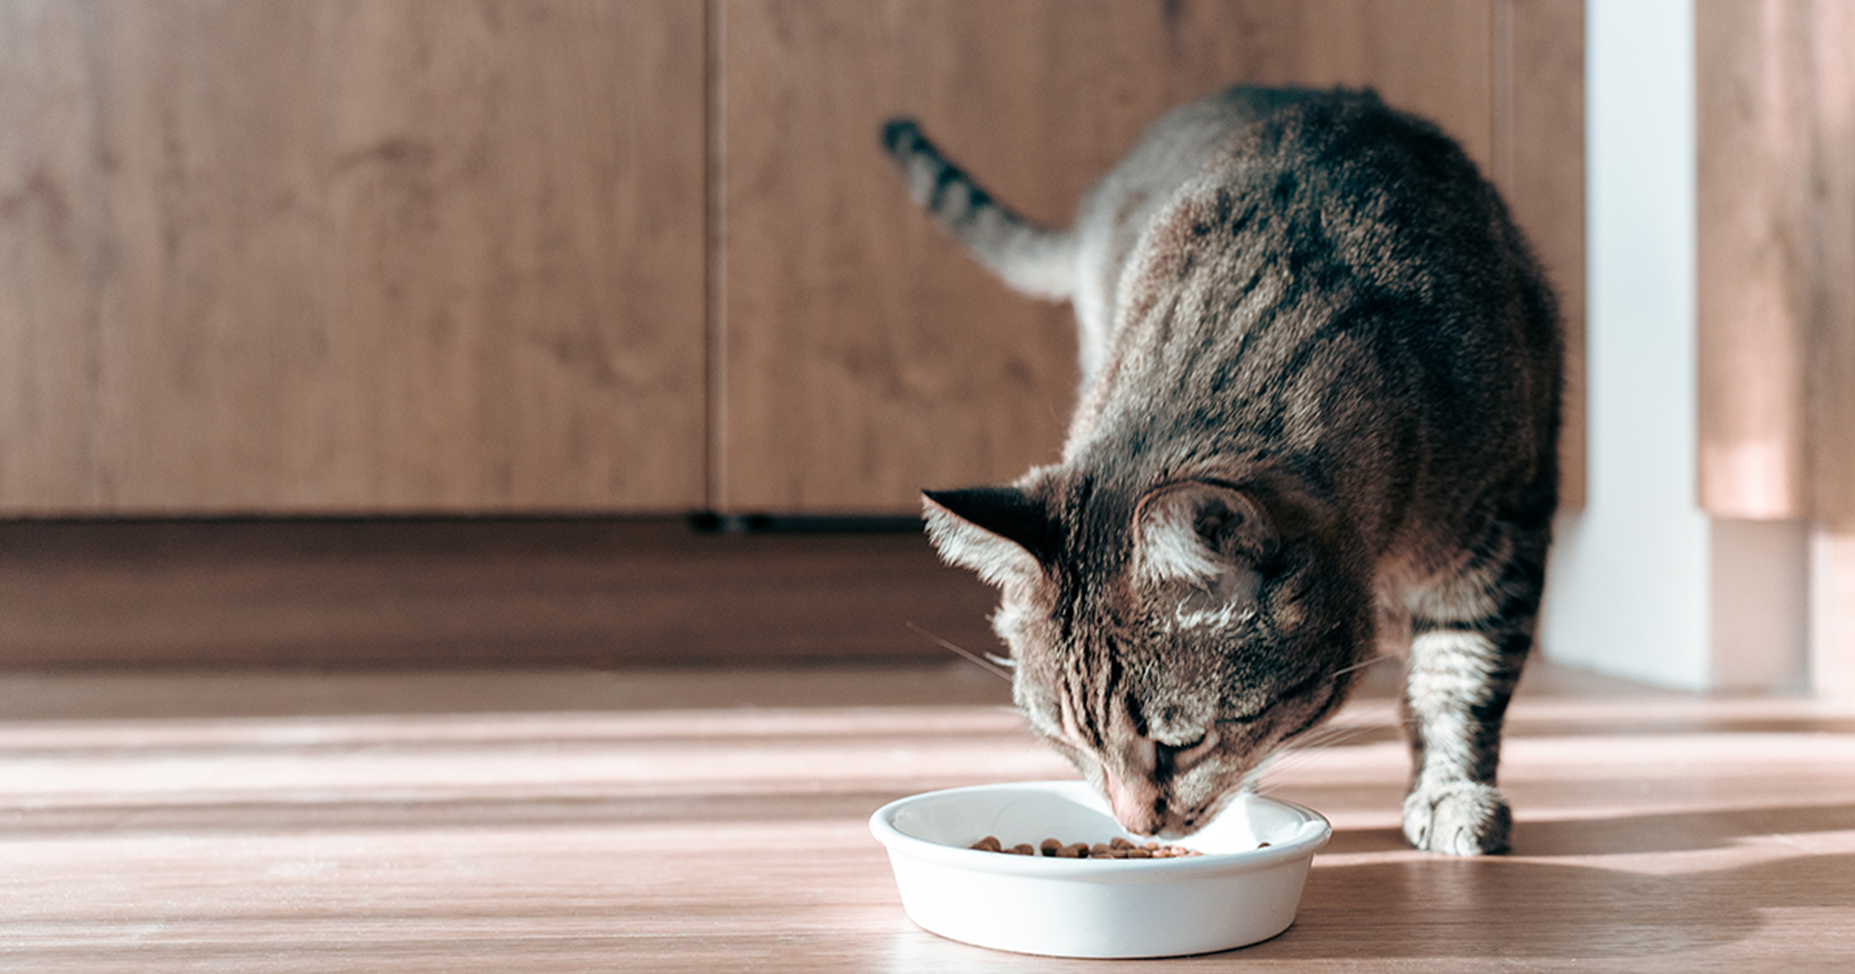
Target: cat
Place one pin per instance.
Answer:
(1319, 412)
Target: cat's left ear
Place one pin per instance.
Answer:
(1003, 533)
(1198, 533)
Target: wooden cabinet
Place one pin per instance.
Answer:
(614, 255)
(1775, 253)
(389, 255)
(863, 356)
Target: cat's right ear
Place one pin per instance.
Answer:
(1002, 533)
(1197, 532)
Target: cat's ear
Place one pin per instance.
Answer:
(1197, 533)
(1000, 532)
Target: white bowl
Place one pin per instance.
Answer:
(1234, 894)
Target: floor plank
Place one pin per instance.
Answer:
(702, 820)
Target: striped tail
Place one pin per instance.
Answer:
(1031, 258)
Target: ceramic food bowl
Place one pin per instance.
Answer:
(1239, 891)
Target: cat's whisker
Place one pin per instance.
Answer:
(1320, 735)
(1302, 753)
(1270, 780)
(1330, 737)
(1369, 661)
(990, 666)
(1305, 751)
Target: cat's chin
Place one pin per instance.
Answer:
(1217, 807)
(1181, 828)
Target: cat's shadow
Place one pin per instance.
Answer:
(1675, 831)
(1548, 899)
(1631, 834)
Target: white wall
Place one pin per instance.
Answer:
(1643, 584)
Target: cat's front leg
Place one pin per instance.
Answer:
(1464, 665)
(1456, 692)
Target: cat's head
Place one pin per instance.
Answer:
(1165, 639)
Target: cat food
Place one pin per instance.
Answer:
(1117, 848)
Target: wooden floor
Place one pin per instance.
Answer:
(600, 820)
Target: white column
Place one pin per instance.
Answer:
(1643, 584)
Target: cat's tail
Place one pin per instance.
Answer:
(1034, 259)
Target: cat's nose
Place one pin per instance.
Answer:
(1138, 805)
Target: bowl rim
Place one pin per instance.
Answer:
(1302, 846)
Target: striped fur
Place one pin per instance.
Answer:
(1031, 258)
(1320, 414)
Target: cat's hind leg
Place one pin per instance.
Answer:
(1471, 634)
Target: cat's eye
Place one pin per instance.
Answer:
(1182, 757)
(1179, 748)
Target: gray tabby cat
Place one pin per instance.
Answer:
(1319, 412)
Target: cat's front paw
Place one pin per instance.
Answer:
(1462, 818)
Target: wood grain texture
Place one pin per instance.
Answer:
(688, 821)
(864, 363)
(1429, 58)
(864, 358)
(1776, 253)
(384, 256)
(484, 591)
(1539, 166)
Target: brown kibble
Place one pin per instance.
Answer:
(1265, 845)
(1117, 848)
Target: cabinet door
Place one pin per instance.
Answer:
(863, 356)
(389, 256)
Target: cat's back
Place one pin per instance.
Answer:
(1174, 148)
(1334, 286)
(1170, 152)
